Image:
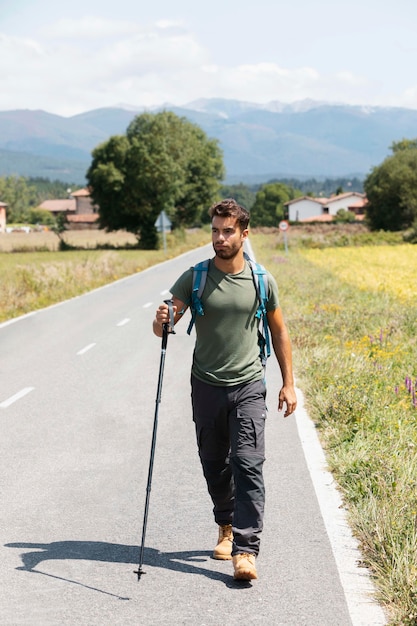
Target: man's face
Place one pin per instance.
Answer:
(227, 237)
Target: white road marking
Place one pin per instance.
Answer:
(123, 322)
(16, 397)
(165, 292)
(86, 349)
(147, 305)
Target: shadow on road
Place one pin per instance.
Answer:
(185, 562)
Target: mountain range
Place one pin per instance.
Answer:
(260, 142)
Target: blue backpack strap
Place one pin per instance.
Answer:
(260, 278)
(199, 280)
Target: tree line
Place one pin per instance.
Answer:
(166, 163)
(24, 195)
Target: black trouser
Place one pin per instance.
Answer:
(230, 428)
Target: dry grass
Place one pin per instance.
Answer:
(352, 317)
(37, 276)
(387, 270)
(47, 240)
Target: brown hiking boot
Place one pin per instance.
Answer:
(244, 565)
(223, 550)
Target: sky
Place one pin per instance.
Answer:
(74, 56)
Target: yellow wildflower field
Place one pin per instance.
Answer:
(391, 269)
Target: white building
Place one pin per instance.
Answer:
(308, 208)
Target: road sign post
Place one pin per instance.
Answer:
(284, 226)
(163, 225)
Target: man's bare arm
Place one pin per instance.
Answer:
(282, 348)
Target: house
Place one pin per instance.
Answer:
(80, 212)
(67, 206)
(304, 208)
(3, 208)
(342, 201)
(307, 208)
(359, 207)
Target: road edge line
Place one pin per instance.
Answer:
(356, 581)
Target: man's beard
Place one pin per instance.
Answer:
(227, 253)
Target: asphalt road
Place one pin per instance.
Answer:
(77, 400)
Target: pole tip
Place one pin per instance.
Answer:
(139, 572)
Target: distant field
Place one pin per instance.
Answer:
(34, 274)
(49, 241)
(385, 269)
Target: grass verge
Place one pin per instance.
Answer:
(33, 280)
(355, 349)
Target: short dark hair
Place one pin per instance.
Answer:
(230, 208)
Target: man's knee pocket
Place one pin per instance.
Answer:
(250, 433)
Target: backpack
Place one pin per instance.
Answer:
(260, 279)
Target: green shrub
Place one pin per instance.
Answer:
(40, 216)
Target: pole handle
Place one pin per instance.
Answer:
(170, 325)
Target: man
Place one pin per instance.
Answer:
(227, 385)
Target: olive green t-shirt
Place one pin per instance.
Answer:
(226, 350)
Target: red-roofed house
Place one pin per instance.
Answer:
(80, 211)
(359, 207)
(59, 206)
(86, 214)
(343, 201)
(311, 209)
(304, 208)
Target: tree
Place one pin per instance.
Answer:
(41, 216)
(404, 144)
(268, 209)
(241, 193)
(46, 189)
(163, 163)
(343, 216)
(391, 189)
(59, 228)
(19, 196)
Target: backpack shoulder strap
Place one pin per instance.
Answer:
(199, 280)
(260, 279)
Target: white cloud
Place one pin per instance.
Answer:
(409, 97)
(15, 49)
(153, 52)
(83, 64)
(87, 27)
(170, 24)
(348, 78)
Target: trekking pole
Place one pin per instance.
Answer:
(167, 329)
